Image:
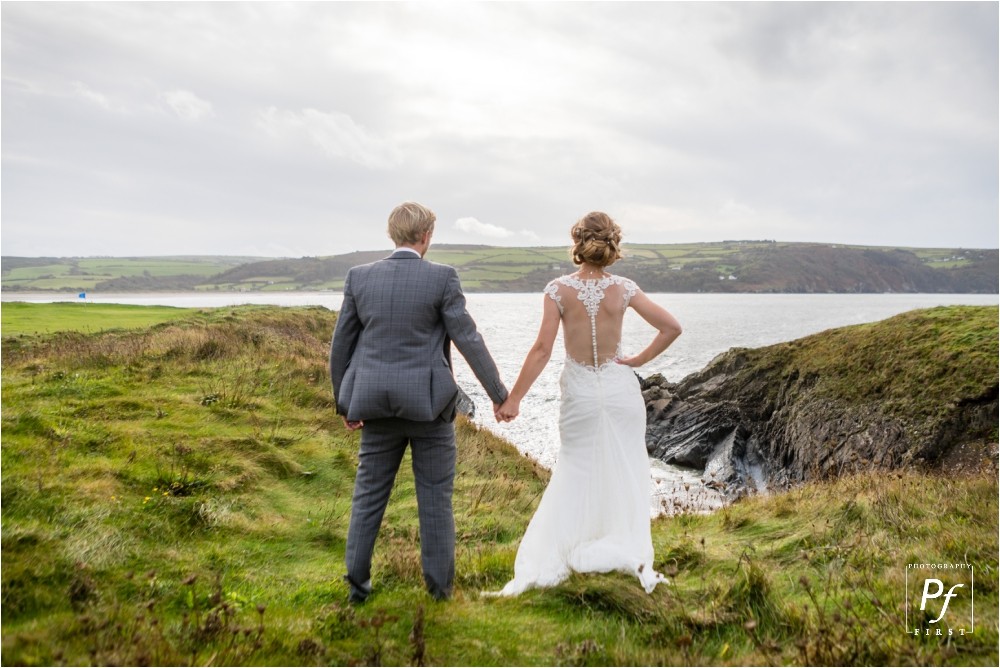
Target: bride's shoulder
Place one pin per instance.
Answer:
(552, 292)
(622, 279)
(565, 279)
(630, 286)
(552, 287)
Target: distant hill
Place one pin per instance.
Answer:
(814, 268)
(112, 274)
(729, 266)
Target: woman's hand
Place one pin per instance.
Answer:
(635, 361)
(508, 410)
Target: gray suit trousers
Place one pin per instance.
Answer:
(433, 451)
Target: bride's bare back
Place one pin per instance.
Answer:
(592, 312)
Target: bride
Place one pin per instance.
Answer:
(594, 514)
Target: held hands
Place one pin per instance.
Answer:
(508, 410)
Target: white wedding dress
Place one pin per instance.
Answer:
(594, 514)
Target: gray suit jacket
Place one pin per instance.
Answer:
(391, 350)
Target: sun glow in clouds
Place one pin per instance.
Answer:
(478, 228)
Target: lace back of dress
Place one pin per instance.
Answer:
(591, 293)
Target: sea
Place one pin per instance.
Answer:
(713, 323)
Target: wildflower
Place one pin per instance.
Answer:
(146, 500)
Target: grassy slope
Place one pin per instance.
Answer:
(206, 448)
(915, 364)
(918, 361)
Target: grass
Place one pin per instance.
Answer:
(179, 494)
(152, 266)
(63, 283)
(86, 273)
(20, 318)
(32, 273)
(914, 364)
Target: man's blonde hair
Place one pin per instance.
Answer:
(409, 222)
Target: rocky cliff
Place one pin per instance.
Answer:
(917, 389)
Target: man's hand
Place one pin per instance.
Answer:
(507, 411)
(353, 425)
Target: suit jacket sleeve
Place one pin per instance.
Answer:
(461, 329)
(345, 339)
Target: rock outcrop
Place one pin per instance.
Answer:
(906, 391)
(466, 406)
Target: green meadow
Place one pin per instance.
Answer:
(21, 318)
(73, 274)
(176, 492)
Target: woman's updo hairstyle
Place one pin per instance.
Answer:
(596, 240)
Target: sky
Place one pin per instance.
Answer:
(292, 129)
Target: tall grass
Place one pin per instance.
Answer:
(180, 495)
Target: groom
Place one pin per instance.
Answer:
(390, 364)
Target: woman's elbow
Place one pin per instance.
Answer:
(674, 330)
(543, 352)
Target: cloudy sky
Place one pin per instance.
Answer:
(291, 129)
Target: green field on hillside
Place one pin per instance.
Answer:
(755, 266)
(17, 318)
(85, 273)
